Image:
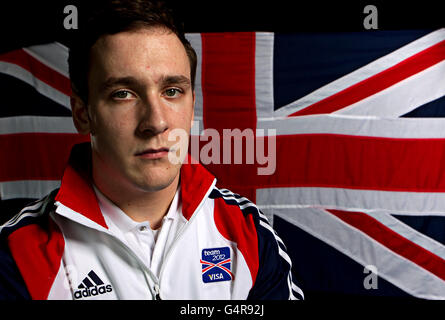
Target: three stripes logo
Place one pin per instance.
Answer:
(91, 286)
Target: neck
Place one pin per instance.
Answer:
(141, 205)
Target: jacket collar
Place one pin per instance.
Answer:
(76, 191)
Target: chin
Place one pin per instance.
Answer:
(155, 182)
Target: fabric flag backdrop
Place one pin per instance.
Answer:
(358, 191)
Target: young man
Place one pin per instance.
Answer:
(128, 223)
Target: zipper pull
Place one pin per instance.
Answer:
(157, 294)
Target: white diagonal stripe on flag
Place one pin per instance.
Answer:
(41, 87)
(396, 269)
(402, 97)
(54, 55)
(385, 218)
(363, 73)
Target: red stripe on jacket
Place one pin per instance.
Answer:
(236, 227)
(37, 250)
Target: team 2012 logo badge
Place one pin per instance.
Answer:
(216, 265)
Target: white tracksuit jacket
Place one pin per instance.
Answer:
(61, 248)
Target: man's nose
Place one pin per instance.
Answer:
(153, 121)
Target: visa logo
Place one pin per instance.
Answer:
(216, 276)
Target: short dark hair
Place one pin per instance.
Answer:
(107, 17)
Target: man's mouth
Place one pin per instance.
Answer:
(153, 153)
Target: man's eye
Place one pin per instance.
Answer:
(122, 94)
(172, 92)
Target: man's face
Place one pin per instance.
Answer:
(139, 91)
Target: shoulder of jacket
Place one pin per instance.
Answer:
(247, 207)
(31, 214)
(263, 229)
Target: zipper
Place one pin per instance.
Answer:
(157, 292)
(146, 271)
(181, 232)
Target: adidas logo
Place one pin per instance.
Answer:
(92, 285)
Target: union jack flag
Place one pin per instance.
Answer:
(360, 145)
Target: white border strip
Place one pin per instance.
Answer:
(31, 124)
(406, 203)
(415, 128)
(196, 42)
(264, 47)
(34, 189)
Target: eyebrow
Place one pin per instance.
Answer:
(172, 80)
(113, 82)
(132, 81)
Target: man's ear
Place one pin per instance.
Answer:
(193, 108)
(80, 114)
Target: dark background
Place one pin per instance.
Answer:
(24, 23)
